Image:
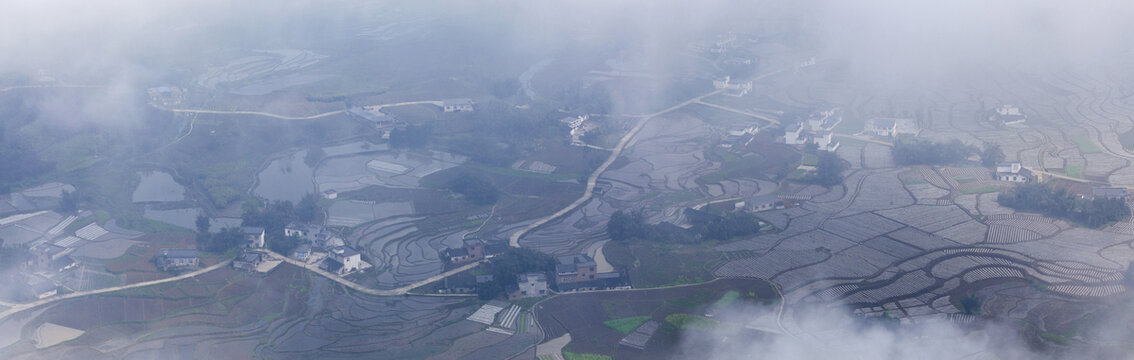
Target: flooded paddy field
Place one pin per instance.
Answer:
(37, 198)
(157, 186)
(286, 179)
(397, 170)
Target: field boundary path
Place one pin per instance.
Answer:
(285, 117)
(389, 292)
(34, 304)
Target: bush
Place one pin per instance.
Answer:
(921, 152)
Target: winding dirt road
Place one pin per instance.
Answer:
(514, 240)
(15, 308)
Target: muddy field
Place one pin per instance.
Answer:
(583, 314)
(284, 314)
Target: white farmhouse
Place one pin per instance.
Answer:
(888, 127)
(457, 105)
(1012, 172)
(343, 260)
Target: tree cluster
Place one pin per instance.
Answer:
(513, 262)
(828, 170)
(475, 189)
(728, 226)
(633, 225)
(1041, 198)
(922, 152)
(273, 218)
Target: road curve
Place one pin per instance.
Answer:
(30, 305)
(514, 240)
(390, 292)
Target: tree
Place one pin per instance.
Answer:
(228, 238)
(202, 224)
(69, 203)
(829, 169)
(991, 154)
(284, 244)
(308, 208)
(970, 304)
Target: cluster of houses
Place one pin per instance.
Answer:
(816, 129)
(572, 272)
(165, 95)
(322, 246)
(46, 261)
(759, 203)
(319, 246)
(892, 127)
(175, 259)
(1008, 115)
(472, 249)
(736, 89)
(457, 105)
(580, 126)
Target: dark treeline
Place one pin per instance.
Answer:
(227, 239)
(514, 261)
(733, 224)
(922, 152)
(1041, 198)
(633, 225)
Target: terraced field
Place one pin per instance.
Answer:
(286, 314)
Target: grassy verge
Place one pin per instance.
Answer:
(981, 190)
(626, 325)
(567, 355)
(1075, 171)
(1085, 144)
(654, 265)
(732, 166)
